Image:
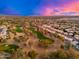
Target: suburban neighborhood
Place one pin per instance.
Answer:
(39, 37)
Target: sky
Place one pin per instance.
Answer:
(39, 7)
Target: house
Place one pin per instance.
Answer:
(76, 36)
(69, 39)
(4, 55)
(3, 32)
(75, 44)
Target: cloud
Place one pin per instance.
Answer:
(71, 8)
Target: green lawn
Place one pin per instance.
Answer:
(44, 41)
(9, 48)
(18, 29)
(39, 34)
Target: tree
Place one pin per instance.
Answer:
(45, 42)
(32, 54)
(61, 54)
(58, 55)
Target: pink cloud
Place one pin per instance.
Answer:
(72, 7)
(48, 12)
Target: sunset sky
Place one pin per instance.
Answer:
(39, 7)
